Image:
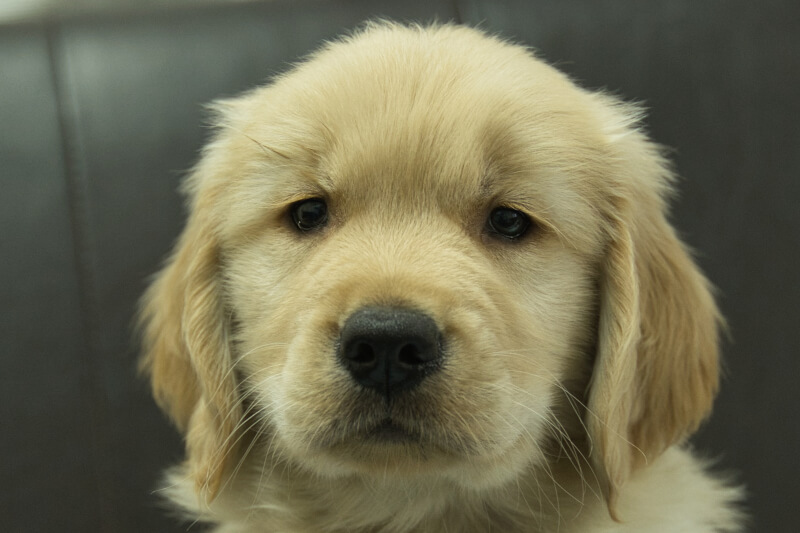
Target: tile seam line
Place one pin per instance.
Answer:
(74, 176)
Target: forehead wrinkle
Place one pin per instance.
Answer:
(415, 160)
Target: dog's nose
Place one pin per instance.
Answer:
(390, 349)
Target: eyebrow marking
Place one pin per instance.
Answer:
(265, 147)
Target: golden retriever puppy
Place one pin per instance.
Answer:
(427, 285)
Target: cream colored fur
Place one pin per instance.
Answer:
(578, 359)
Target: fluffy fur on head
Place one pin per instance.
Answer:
(572, 358)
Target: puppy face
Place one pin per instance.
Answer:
(421, 252)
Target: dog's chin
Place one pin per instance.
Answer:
(382, 446)
(390, 447)
(389, 450)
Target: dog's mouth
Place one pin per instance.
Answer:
(396, 434)
(359, 427)
(392, 444)
(389, 431)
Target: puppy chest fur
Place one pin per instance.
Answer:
(427, 284)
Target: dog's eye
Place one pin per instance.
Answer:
(508, 223)
(309, 214)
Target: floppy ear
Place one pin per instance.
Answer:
(187, 353)
(656, 372)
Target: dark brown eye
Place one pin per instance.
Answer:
(508, 223)
(309, 214)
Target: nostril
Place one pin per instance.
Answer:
(411, 355)
(363, 354)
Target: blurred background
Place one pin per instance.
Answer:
(101, 114)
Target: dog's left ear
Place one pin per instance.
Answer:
(656, 372)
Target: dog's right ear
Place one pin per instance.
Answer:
(187, 351)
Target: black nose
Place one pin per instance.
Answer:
(390, 349)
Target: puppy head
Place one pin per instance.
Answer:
(405, 254)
